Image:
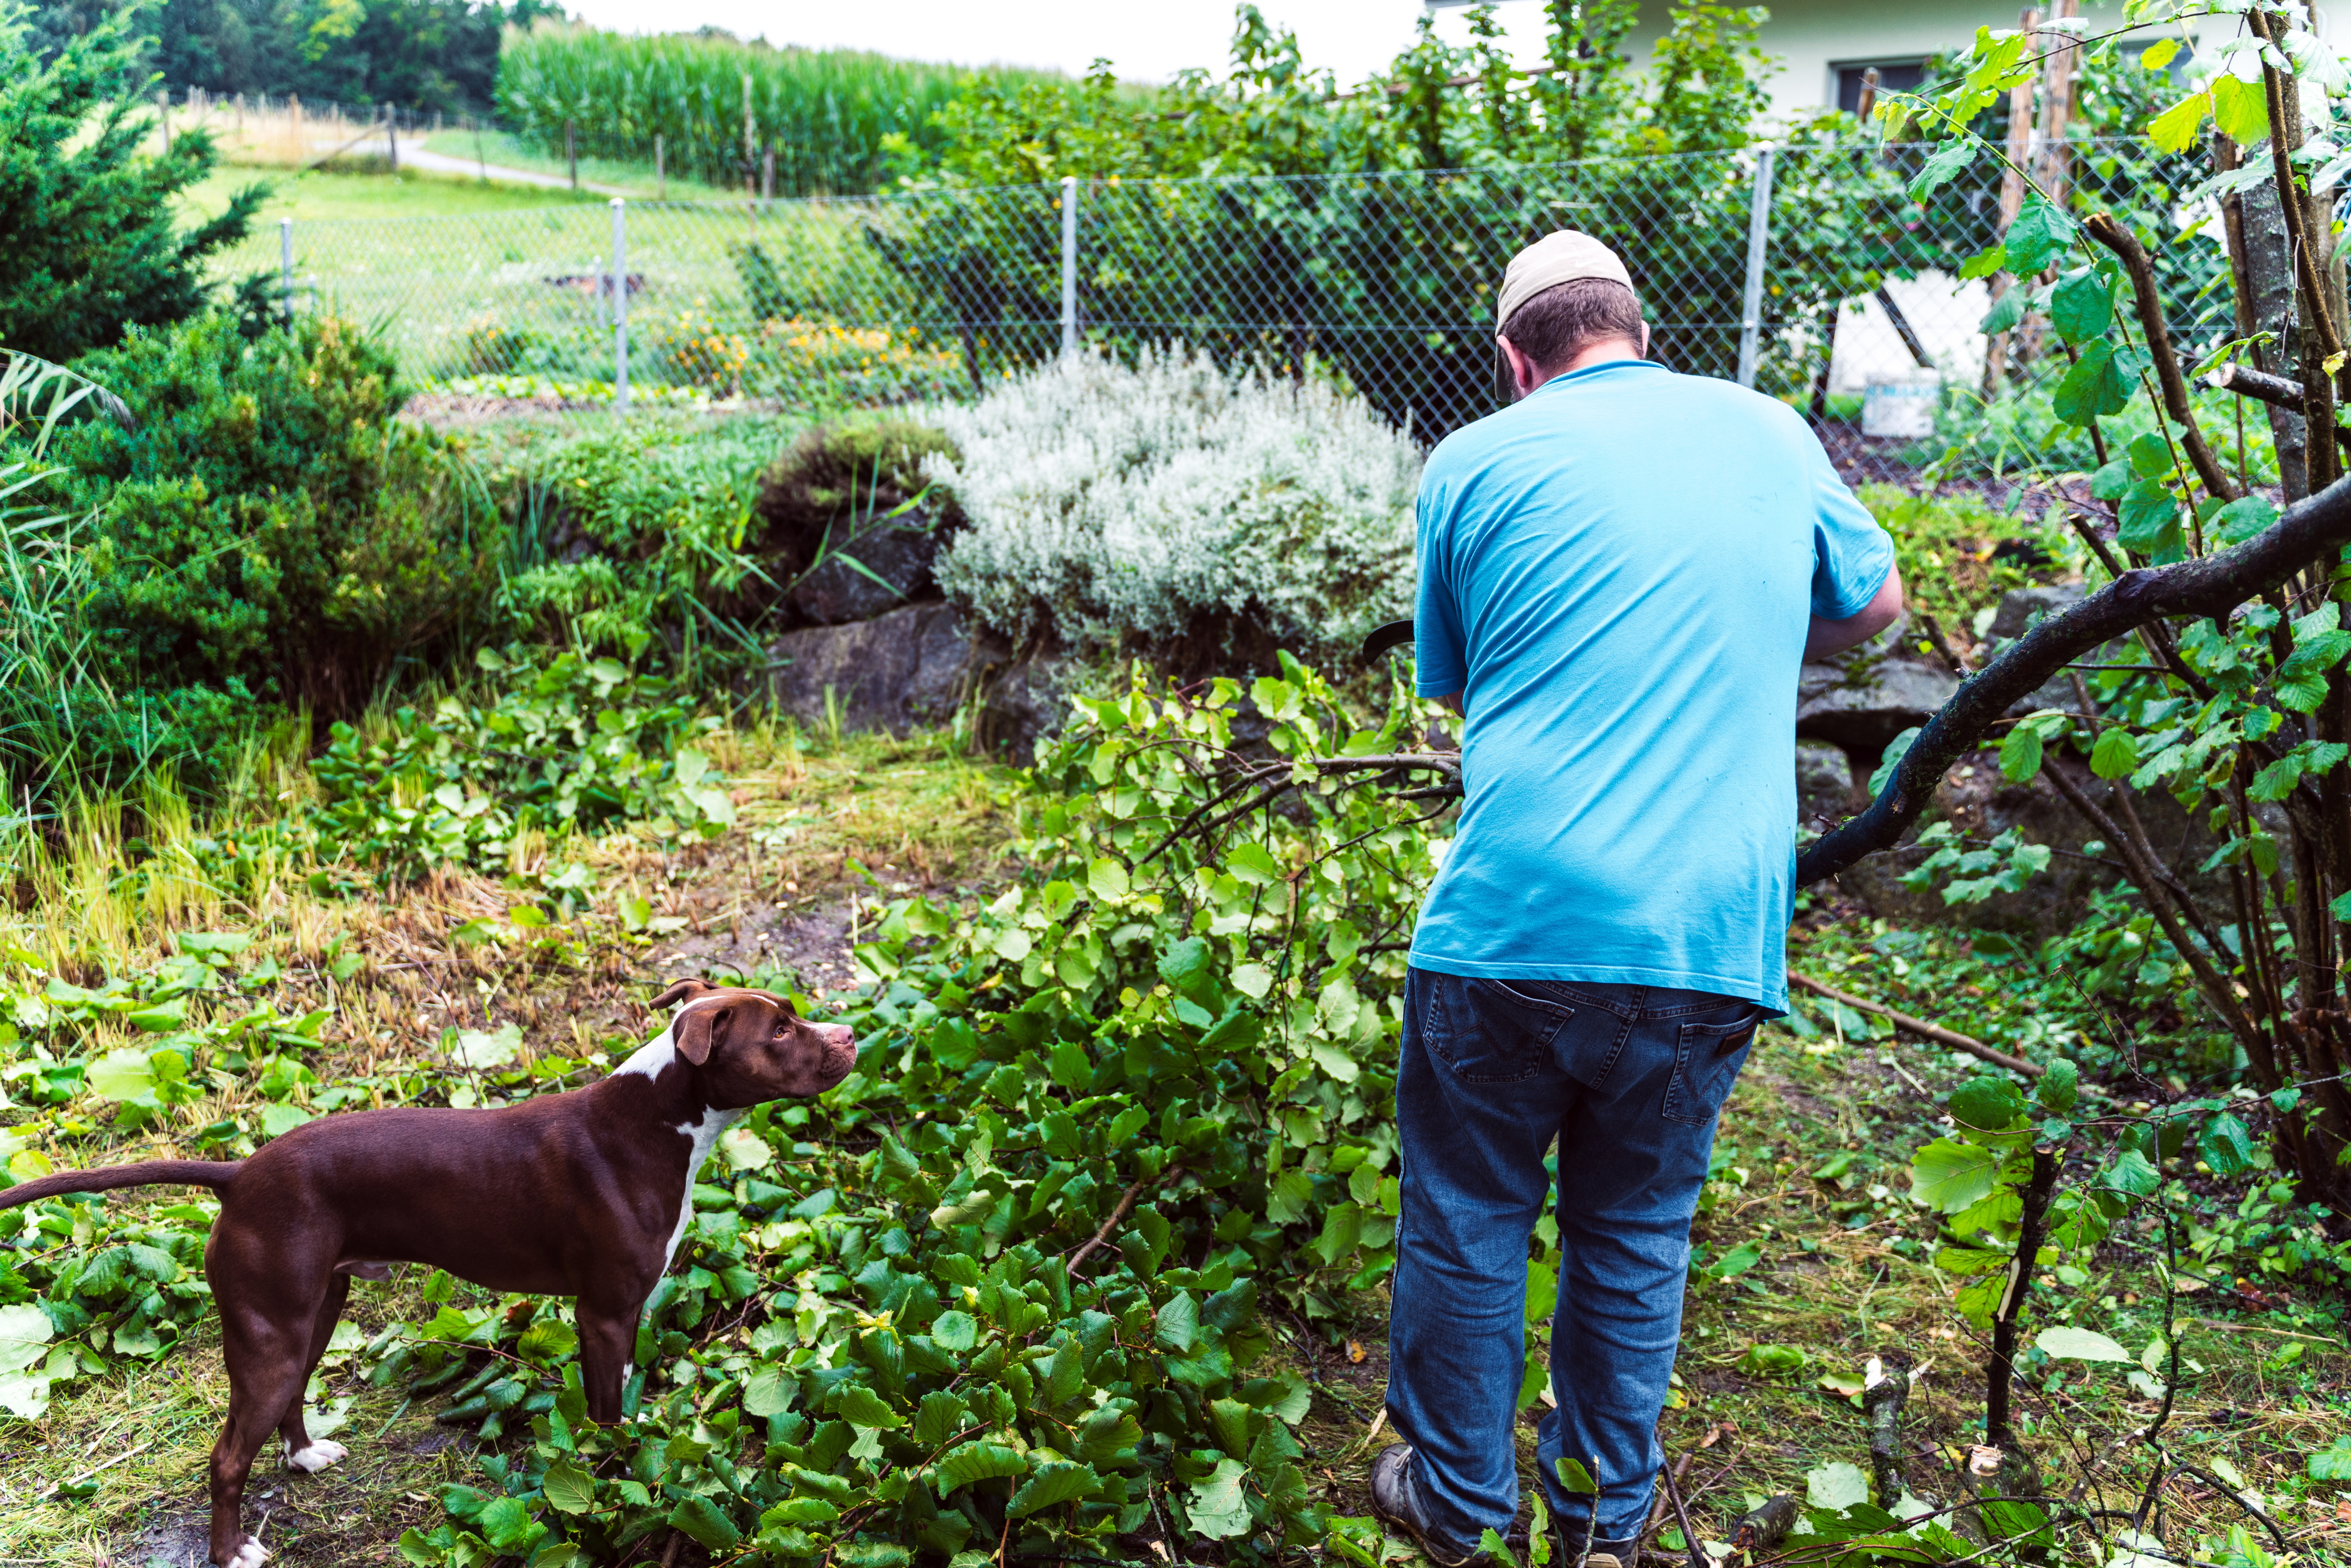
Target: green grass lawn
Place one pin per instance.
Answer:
(323, 196)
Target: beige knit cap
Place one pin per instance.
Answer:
(1562, 256)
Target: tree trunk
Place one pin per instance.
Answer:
(2269, 276)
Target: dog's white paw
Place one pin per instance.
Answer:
(321, 1453)
(249, 1555)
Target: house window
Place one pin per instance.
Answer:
(1899, 76)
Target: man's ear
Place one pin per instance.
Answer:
(684, 991)
(698, 1031)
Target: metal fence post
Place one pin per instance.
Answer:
(620, 306)
(1069, 265)
(1758, 233)
(286, 268)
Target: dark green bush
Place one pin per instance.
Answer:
(266, 525)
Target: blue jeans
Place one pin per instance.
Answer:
(1629, 1078)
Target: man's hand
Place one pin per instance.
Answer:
(1828, 637)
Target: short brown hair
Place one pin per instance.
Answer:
(1568, 317)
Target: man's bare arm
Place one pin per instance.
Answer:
(1834, 636)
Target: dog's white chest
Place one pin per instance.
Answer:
(704, 1136)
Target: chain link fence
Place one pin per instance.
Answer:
(1810, 273)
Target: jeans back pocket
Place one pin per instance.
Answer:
(1706, 1064)
(1489, 1031)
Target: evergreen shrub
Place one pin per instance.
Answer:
(261, 525)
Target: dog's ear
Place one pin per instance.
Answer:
(684, 991)
(700, 1030)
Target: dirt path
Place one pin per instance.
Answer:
(442, 164)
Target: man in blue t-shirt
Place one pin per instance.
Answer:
(1619, 577)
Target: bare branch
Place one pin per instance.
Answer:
(2103, 228)
(1920, 1027)
(2280, 391)
(2213, 585)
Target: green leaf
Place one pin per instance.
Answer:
(568, 1487)
(956, 1330)
(120, 1074)
(2148, 510)
(1987, 1103)
(1051, 1485)
(2095, 386)
(161, 1017)
(487, 1047)
(2241, 110)
(2020, 754)
(1984, 263)
(507, 1524)
(2115, 756)
(2333, 1463)
(1837, 1486)
(1251, 865)
(276, 1121)
(1218, 1507)
(860, 1407)
(2041, 233)
(2131, 1173)
(2066, 1344)
(2240, 519)
(1771, 1360)
(548, 1340)
(1891, 758)
(769, 1391)
(1177, 1324)
(2175, 127)
(1107, 880)
(1942, 166)
(2060, 1087)
(700, 1520)
(978, 1461)
(1950, 1176)
(1735, 1261)
(2227, 1145)
(1574, 1478)
(2005, 313)
(941, 1417)
(2082, 306)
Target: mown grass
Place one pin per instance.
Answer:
(319, 195)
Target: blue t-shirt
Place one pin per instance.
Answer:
(1618, 574)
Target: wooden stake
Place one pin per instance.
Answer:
(2011, 202)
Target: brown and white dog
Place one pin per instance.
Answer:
(585, 1193)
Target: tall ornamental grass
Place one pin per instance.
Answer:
(827, 112)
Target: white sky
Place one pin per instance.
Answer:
(1147, 42)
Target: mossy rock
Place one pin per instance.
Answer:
(842, 481)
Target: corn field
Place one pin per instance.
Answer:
(720, 107)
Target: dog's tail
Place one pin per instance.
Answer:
(213, 1173)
